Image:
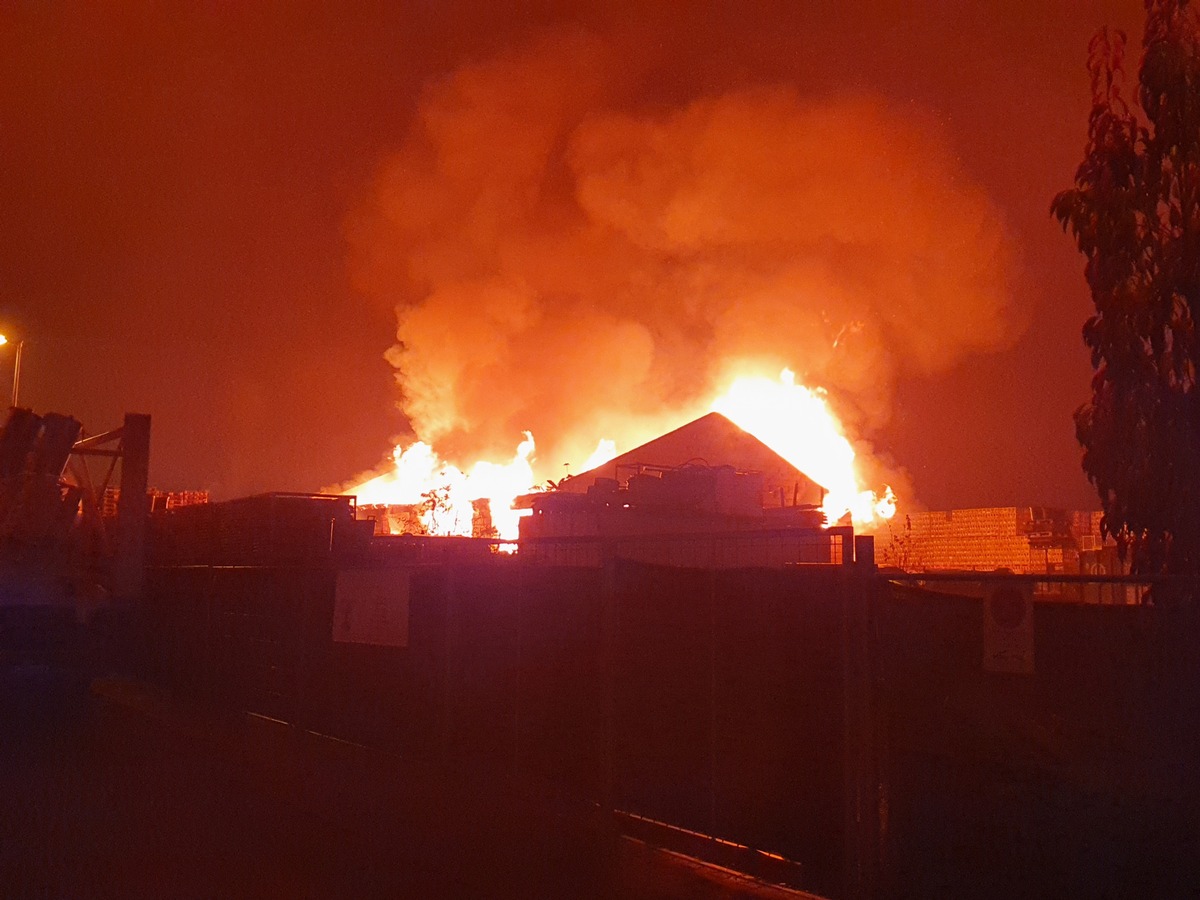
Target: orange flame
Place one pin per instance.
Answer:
(792, 420)
(605, 450)
(420, 478)
(796, 423)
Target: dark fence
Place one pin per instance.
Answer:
(1076, 779)
(821, 713)
(711, 701)
(237, 636)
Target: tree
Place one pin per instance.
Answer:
(1135, 214)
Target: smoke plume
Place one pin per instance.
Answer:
(571, 258)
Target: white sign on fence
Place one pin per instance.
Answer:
(370, 606)
(1008, 629)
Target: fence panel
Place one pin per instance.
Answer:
(1075, 780)
(711, 700)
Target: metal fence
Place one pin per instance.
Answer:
(1068, 774)
(711, 701)
(838, 724)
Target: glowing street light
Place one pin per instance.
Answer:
(16, 366)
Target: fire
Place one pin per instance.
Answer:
(420, 478)
(796, 423)
(792, 420)
(605, 450)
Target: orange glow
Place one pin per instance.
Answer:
(797, 423)
(420, 478)
(605, 450)
(792, 420)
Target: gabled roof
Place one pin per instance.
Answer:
(716, 441)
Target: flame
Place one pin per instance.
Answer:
(792, 420)
(420, 478)
(605, 450)
(796, 423)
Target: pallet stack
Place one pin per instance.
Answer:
(970, 539)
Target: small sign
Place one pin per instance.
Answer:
(370, 606)
(1008, 629)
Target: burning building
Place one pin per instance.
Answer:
(712, 441)
(705, 494)
(780, 432)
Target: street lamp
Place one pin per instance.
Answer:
(16, 366)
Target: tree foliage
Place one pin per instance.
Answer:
(1135, 214)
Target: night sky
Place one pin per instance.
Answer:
(210, 213)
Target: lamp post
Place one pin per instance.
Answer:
(16, 367)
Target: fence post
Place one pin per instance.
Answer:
(215, 646)
(518, 680)
(712, 700)
(304, 646)
(449, 652)
(608, 663)
(860, 768)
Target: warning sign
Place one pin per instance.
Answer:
(370, 606)
(1008, 629)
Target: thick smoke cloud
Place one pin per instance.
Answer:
(568, 258)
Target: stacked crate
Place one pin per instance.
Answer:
(969, 539)
(159, 500)
(1085, 526)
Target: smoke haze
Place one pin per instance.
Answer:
(565, 261)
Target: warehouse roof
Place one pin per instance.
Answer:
(713, 440)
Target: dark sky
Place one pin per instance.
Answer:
(176, 184)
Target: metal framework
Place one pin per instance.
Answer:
(129, 445)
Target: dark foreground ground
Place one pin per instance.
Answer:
(124, 794)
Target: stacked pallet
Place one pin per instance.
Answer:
(969, 539)
(159, 500)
